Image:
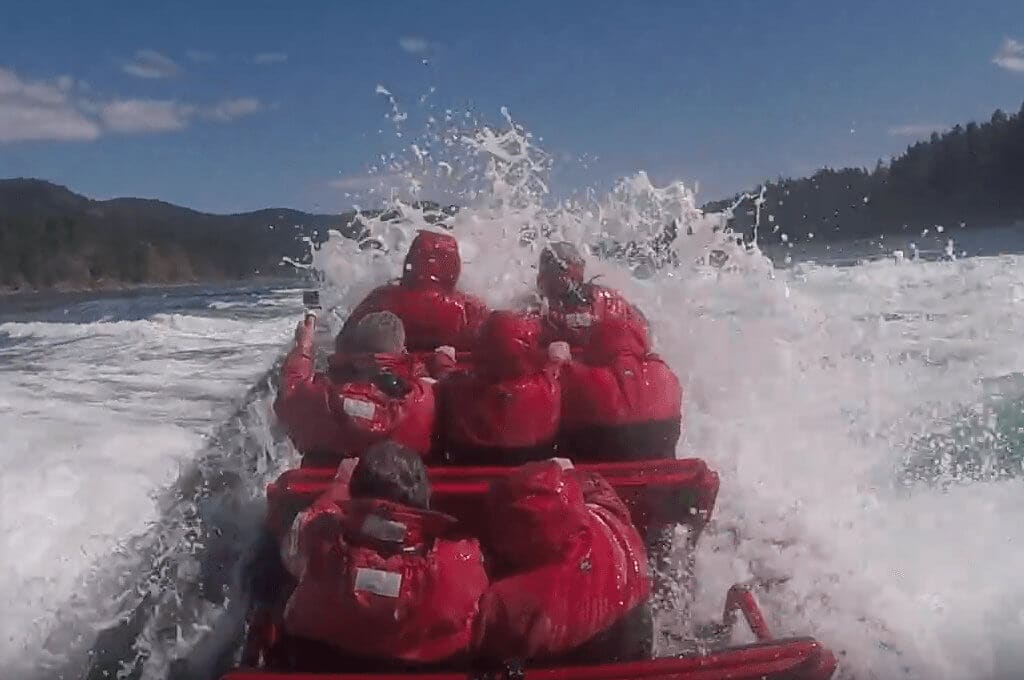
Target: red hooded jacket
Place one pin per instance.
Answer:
(382, 581)
(620, 402)
(571, 318)
(574, 563)
(573, 306)
(362, 399)
(505, 410)
(433, 311)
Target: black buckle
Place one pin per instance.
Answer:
(514, 670)
(510, 670)
(391, 385)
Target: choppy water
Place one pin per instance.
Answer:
(103, 404)
(810, 393)
(866, 421)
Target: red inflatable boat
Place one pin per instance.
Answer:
(659, 493)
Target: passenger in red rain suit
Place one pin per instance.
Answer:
(435, 314)
(619, 401)
(382, 578)
(505, 410)
(570, 573)
(372, 391)
(573, 305)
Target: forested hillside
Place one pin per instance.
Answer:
(972, 174)
(51, 237)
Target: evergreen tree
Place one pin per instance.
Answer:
(972, 174)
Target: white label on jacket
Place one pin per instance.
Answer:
(579, 319)
(378, 582)
(357, 408)
(382, 529)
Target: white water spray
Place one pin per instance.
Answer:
(798, 390)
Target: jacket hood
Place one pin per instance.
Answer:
(560, 272)
(392, 527)
(380, 525)
(433, 259)
(612, 338)
(536, 513)
(509, 345)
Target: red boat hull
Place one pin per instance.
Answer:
(658, 493)
(792, 659)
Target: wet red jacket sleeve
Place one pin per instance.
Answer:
(303, 399)
(308, 543)
(337, 491)
(298, 364)
(317, 523)
(597, 491)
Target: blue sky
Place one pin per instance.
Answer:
(228, 106)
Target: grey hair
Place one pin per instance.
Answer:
(379, 333)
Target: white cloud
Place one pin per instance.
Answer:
(230, 109)
(40, 110)
(145, 115)
(915, 129)
(414, 44)
(200, 56)
(156, 115)
(270, 58)
(60, 110)
(151, 64)
(1010, 56)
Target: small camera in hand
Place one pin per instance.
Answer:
(311, 299)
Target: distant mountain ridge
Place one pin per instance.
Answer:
(53, 238)
(970, 175)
